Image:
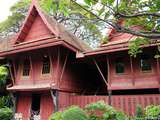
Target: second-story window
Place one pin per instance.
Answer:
(26, 67)
(145, 63)
(119, 66)
(46, 65)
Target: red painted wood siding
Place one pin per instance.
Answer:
(23, 105)
(63, 100)
(38, 30)
(47, 107)
(127, 103)
(136, 80)
(69, 79)
(36, 76)
(84, 100)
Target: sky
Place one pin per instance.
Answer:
(4, 8)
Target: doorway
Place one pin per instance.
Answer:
(35, 107)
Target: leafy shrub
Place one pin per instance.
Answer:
(3, 75)
(139, 113)
(74, 113)
(113, 114)
(6, 113)
(5, 101)
(101, 111)
(56, 116)
(152, 111)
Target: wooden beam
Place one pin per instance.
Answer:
(132, 71)
(104, 79)
(108, 73)
(11, 74)
(32, 71)
(158, 70)
(64, 66)
(54, 95)
(14, 69)
(51, 63)
(109, 97)
(58, 65)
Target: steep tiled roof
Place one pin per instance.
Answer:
(66, 35)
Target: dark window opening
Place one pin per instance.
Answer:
(26, 67)
(46, 65)
(145, 63)
(35, 107)
(119, 65)
(36, 98)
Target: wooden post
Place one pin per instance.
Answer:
(54, 94)
(57, 67)
(14, 68)
(11, 73)
(32, 71)
(108, 69)
(132, 71)
(158, 70)
(110, 97)
(63, 69)
(99, 70)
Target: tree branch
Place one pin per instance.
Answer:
(121, 15)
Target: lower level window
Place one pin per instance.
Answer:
(26, 67)
(145, 63)
(119, 66)
(46, 65)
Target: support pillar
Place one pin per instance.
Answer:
(110, 97)
(54, 94)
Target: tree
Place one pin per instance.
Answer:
(120, 15)
(12, 24)
(76, 23)
(132, 12)
(3, 75)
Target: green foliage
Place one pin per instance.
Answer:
(100, 105)
(152, 111)
(74, 113)
(135, 46)
(113, 114)
(6, 113)
(56, 116)
(139, 113)
(13, 22)
(5, 101)
(101, 111)
(3, 75)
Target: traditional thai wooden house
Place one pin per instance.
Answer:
(51, 69)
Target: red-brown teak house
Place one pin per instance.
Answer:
(51, 69)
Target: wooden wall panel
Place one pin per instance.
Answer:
(38, 30)
(126, 103)
(47, 107)
(63, 100)
(23, 105)
(133, 80)
(84, 100)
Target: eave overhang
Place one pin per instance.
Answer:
(33, 87)
(33, 45)
(114, 48)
